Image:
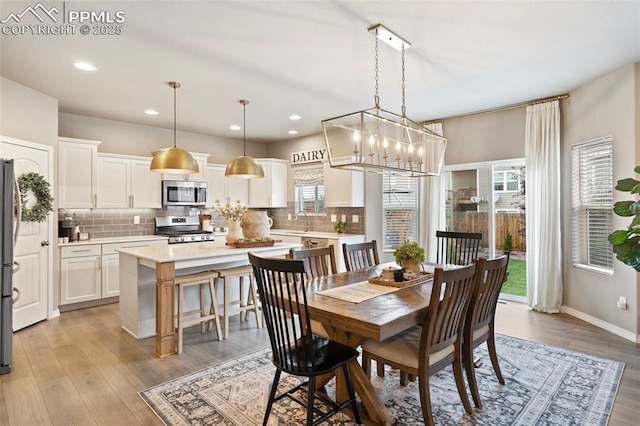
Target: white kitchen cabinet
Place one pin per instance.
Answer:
(271, 191)
(80, 279)
(126, 182)
(77, 173)
(201, 159)
(226, 190)
(343, 188)
(90, 271)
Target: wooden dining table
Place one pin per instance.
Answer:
(377, 318)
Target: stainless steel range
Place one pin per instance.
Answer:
(182, 229)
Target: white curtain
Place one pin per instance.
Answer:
(544, 256)
(432, 206)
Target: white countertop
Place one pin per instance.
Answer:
(312, 234)
(115, 240)
(215, 251)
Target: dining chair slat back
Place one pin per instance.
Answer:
(423, 351)
(296, 350)
(480, 321)
(457, 248)
(318, 262)
(360, 255)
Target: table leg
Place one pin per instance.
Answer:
(165, 327)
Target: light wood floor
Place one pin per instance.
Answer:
(82, 369)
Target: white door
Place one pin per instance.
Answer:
(33, 250)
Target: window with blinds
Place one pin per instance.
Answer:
(400, 207)
(592, 203)
(309, 194)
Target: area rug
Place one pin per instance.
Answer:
(544, 385)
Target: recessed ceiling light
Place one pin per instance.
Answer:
(235, 127)
(151, 112)
(293, 132)
(294, 117)
(84, 66)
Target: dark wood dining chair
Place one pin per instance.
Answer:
(480, 321)
(318, 262)
(423, 351)
(296, 350)
(360, 255)
(457, 248)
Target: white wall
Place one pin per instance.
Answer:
(606, 106)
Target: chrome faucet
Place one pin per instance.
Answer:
(306, 220)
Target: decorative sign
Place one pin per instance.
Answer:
(312, 156)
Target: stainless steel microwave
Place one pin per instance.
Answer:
(184, 193)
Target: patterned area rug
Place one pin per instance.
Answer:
(544, 385)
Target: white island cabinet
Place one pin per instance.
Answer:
(147, 276)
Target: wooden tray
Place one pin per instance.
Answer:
(419, 279)
(249, 244)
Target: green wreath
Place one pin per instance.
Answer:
(44, 201)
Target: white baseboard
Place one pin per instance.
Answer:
(618, 331)
(54, 314)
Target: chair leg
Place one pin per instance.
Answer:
(366, 363)
(404, 381)
(469, 366)
(226, 308)
(380, 368)
(214, 308)
(243, 313)
(272, 396)
(352, 393)
(425, 399)
(457, 374)
(311, 394)
(180, 317)
(493, 355)
(203, 313)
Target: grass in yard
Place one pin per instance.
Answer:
(517, 282)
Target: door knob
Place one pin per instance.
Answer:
(44, 243)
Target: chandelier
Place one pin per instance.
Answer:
(381, 141)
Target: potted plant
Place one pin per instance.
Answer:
(626, 242)
(340, 226)
(409, 256)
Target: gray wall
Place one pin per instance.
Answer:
(606, 106)
(32, 116)
(133, 139)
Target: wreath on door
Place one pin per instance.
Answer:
(41, 189)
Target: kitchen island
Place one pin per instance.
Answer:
(147, 305)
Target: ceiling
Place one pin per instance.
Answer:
(316, 58)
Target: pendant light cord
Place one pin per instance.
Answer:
(244, 129)
(174, 116)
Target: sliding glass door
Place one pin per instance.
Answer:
(490, 198)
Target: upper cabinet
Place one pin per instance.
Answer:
(272, 190)
(77, 173)
(126, 182)
(224, 189)
(201, 159)
(343, 188)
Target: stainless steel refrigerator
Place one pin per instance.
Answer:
(9, 227)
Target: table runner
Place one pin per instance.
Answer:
(358, 292)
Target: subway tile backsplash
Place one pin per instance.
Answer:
(110, 223)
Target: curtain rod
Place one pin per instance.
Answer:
(504, 108)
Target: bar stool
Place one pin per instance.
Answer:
(242, 307)
(201, 279)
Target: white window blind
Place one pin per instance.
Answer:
(309, 195)
(400, 204)
(592, 203)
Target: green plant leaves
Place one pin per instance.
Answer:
(623, 208)
(626, 185)
(617, 238)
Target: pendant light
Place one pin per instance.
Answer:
(174, 160)
(244, 167)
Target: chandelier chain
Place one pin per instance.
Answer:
(377, 98)
(404, 108)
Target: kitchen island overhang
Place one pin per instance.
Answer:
(147, 288)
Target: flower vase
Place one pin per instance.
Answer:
(235, 232)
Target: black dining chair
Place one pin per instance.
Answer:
(360, 255)
(296, 350)
(457, 248)
(480, 321)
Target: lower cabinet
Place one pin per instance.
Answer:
(90, 271)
